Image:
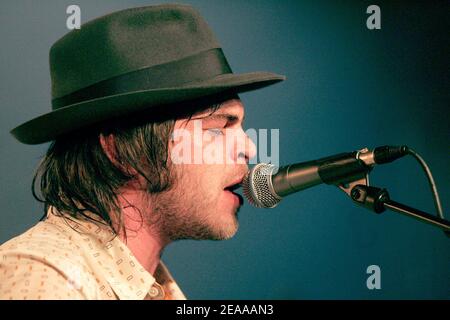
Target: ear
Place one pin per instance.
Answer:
(109, 147)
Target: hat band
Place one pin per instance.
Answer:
(201, 66)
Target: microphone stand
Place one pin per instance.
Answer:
(378, 200)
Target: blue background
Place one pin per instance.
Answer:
(347, 87)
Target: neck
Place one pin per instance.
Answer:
(143, 240)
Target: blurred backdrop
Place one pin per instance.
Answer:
(347, 87)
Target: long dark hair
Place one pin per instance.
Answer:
(76, 175)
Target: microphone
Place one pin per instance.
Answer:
(265, 185)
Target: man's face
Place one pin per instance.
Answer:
(209, 155)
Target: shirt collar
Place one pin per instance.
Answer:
(126, 276)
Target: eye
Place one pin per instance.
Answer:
(216, 131)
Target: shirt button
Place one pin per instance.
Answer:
(156, 292)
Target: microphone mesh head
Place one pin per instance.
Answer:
(257, 186)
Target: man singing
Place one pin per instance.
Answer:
(115, 191)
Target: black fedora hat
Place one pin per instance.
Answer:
(130, 61)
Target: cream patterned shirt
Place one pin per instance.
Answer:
(77, 259)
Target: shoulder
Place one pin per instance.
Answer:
(44, 240)
(44, 262)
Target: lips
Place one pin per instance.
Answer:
(233, 187)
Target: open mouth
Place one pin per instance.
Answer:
(232, 190)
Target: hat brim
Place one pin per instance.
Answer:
(76, 116)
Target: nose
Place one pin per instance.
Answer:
(251, 151)
(246, 150)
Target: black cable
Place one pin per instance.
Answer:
(423, 164)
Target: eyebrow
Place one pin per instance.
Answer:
(220, 116)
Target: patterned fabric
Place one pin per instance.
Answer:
(76, 259)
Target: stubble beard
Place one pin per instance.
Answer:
(185, 214)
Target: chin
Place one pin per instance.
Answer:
(225, 229)
(223, 235)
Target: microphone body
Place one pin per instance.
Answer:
(341, 168)
(265, 185)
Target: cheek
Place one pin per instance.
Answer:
(201, 181)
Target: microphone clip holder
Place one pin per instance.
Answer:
(378, 200)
